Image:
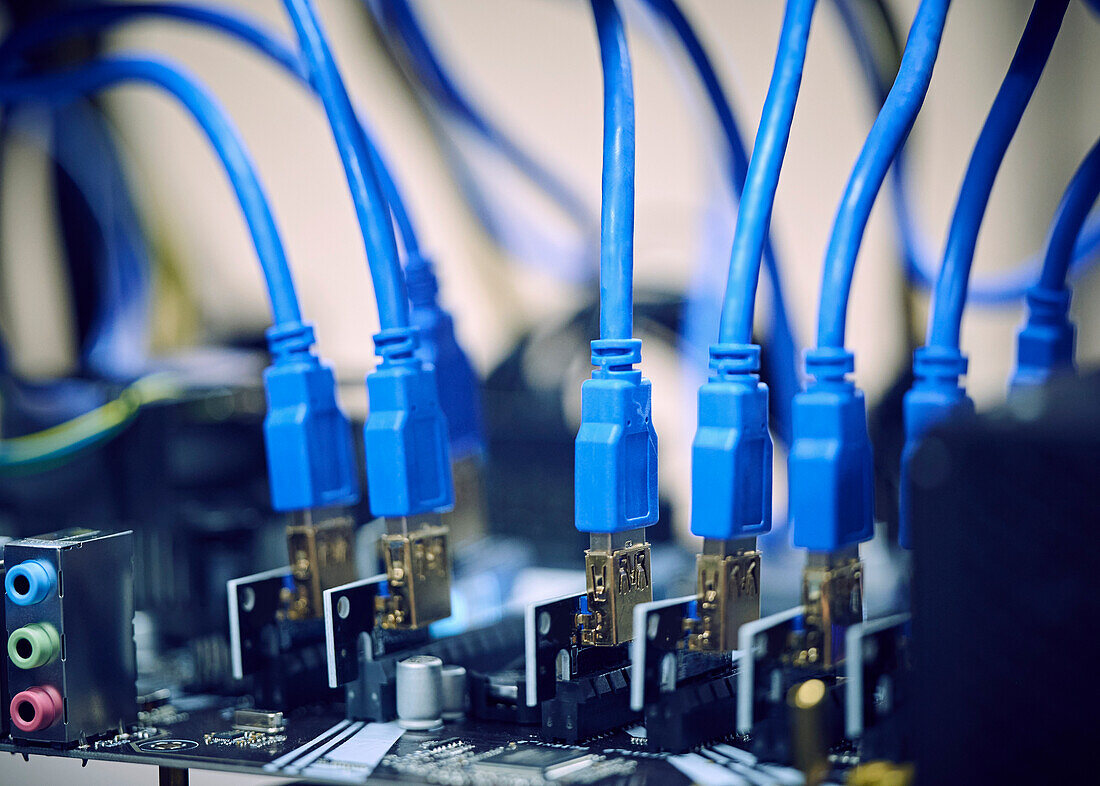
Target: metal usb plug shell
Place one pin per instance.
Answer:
(321, 547)
(832, 600)
(727, 576)
(617, 571)
(416, 552)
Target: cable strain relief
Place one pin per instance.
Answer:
(938, 365)
(731, 362)
(397, 345)
(829, 364)
(288, 340)
(615, 357)
(421, 282)
(1047, 306)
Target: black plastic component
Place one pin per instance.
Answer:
(588, 706)
(690, 695)
(582, 691)
(499, 696)
(293, 672)
(351, 633)
(885, 732)
(1005, 560)
(693, 714)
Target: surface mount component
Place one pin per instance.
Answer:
(266, 721)
(69, 615)
(526, 760)
(363, 659)
(456, 696)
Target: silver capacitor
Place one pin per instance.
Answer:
(454, 693)
(420, 692)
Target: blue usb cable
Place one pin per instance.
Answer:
(731, 479)
(616, 447)
(310, 463)
(937, 366)
(831, 476)
(1045, 343)
(459, 394)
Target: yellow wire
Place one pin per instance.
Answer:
(98, 422)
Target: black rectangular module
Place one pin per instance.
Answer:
(587, 706)
(527, 760)
(693, 714)
(1005, 509)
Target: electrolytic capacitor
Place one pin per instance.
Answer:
(420, 692)
(454, 693)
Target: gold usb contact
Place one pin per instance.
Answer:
(617, 570)
(418, 569)
(832, 599)
(728, 591)
(321, 546)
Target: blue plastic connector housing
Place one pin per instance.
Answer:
(458, 386)
(615, 482)
(935, 396)
(831, 472)
(731, 457)
(30, 582)
(310, 460)
(405, 438)
(1046, 342)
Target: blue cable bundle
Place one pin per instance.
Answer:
(459, 396)
(995, 289)
(405, 437)
(937, 367)
(496, 216)
(831, 473)
(615, 482)
(307, 437)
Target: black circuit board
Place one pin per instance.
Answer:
(319, 746)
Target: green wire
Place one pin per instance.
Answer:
(58, 444)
